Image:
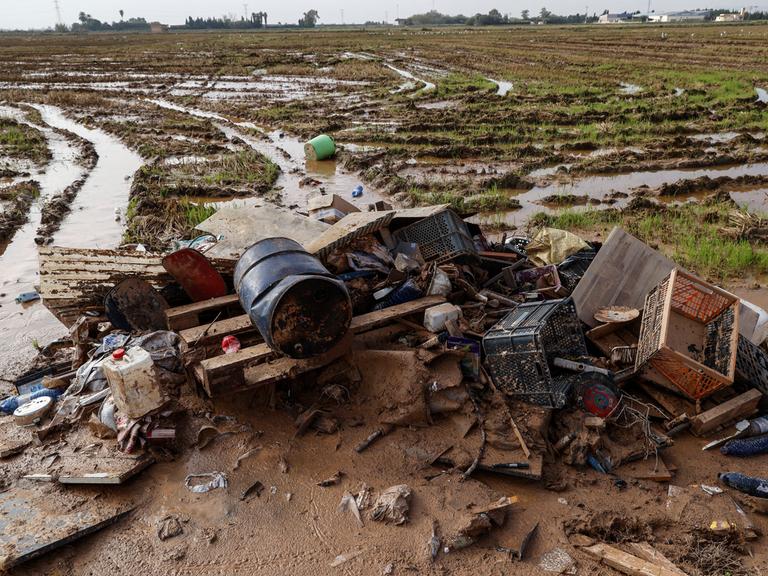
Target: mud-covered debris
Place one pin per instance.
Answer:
(346, 557)
(363, 498)
(247, 454)
(392, 505)
(206, 435)
(255, 488)
(479, 523)
(331, 480)
(168, 527)
(557, 561)
(215, 480)
(349, 504)
(433, 544)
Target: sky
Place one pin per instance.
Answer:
(37, 14)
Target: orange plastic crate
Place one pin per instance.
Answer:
(689, 333)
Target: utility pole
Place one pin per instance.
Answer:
(586, 14)
(386, 16)
(245, 11)
(648, 12)
(58, 12)
(342, 16)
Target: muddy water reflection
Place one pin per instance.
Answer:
(598, 187)
(288, 153)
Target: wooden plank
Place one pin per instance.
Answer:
(187, 316)
(672, 404)
(650, 469)
(219, 368)
(650, 554)
(34, 522)
(118, 471)
(206, 333)
(739, 407)
(627, 563)
(352, 226)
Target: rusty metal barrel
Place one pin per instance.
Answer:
(297, 305)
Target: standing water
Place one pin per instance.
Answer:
(91, 224)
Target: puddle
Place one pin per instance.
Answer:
(288, 153)
(626, 88)
(441, 105)
(502, 86)
(762, 95)
(715, 137)
(598, 187)
(91, 223)
(410, 78)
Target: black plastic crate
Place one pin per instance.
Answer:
(520, 348)
(752, 365)
(441, 237)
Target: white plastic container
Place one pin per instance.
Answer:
(436, 317)
(132, 379)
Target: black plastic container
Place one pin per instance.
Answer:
(297, 305)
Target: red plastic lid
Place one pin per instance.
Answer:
(118, 354)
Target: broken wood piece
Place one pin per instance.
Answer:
(627, 563)
(365, 444)
(741, 406)
(650, 554)
(519, 437)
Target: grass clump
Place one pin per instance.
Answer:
(691, 234)
(18, 140)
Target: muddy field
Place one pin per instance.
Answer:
(109, 139)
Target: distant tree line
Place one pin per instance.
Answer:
(257, 20)
(494, 18)
(87, 23)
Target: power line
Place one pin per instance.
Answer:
(58, 12)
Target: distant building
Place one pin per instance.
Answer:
(157, 27)
(731, 17)
(615, 18)
(685, 16)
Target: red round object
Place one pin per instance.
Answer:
(598, 399)
(230, 344)
(118, 354)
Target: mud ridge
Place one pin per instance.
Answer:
(20, 197)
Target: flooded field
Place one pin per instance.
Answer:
(136, 138)
(176, 123)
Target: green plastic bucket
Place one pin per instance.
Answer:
(320, 148)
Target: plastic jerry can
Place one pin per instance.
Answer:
(131, 377)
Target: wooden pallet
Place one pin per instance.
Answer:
(188, 316)
(258, 365)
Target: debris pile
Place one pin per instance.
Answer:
(514, 357)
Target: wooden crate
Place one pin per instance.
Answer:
(689, 333)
